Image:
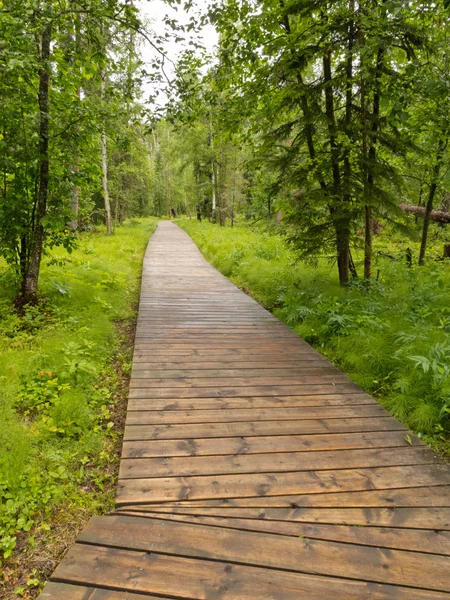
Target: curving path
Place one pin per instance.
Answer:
(252, 469)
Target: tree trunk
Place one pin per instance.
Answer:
(197, 182)
(372, 155)
(213, 193)
(105, 185)
(340, 220)
(431, 195)
(367, 181)
(419, 211)
(347, 169)
(352, 266)
(105, 168)
(76, 168)
(367, 242)
(419, 203)
(213, 173)
(116, 213)
(30, 282)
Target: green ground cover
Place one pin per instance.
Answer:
(391, 337)
(61, 367)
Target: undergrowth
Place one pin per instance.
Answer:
(61, 364)
(391, 337)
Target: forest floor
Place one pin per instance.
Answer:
(391, 336)
(64, 371)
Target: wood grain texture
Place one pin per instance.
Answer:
(251, 467)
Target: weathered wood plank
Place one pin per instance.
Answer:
(202, 364)
(150, 417)
(219, 382)
(188, 578)
(214, 354)
(66, 591)
(219, 374)
(411, 496)
(257, 428)
(139, 491)
(429, 541)
(271, 551)
(243, 392)
(248, 402)
(437, 519)
(275, 462)
(257, 445)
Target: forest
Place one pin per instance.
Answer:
(307, 154)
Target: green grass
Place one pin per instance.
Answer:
(391, 337)
(57, 381)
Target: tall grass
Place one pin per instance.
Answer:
(391, 337)
(57, 384)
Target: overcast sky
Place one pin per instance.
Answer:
(155, 11)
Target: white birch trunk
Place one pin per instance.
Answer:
(105, 169)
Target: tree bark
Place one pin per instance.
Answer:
(340, 220)
(347, 169)
(419, 211)
(431, 195)
(367, 242)
(372, 155)
(105, 167)
(213, 173)
(366, 170)
(30, 282)
(105, 185)
(76, 168)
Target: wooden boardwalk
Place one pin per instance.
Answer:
(253, 469)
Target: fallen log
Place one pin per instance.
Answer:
(436, 215)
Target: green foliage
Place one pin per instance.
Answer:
(57, 385)
(339, 113)
(390, 336)
(70, 80)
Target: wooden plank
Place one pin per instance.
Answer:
(195, 374)
(149, 417)
(208, 354)
(166, 489)
(274, 462)
(410, 496)
(231, 331)
(186, 578)
(437, 519)
(428, 541)
(238, 342)
(271, 551)
(237, 364)
(243, 392)
(248, 402)
(257, 445)
(201, 382)
(66, 591)
(258, 428)
(231, 325)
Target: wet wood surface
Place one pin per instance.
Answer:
(252, 468)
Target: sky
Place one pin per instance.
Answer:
(155, 11)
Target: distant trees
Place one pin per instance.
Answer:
(336, 109)
(197, 169)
